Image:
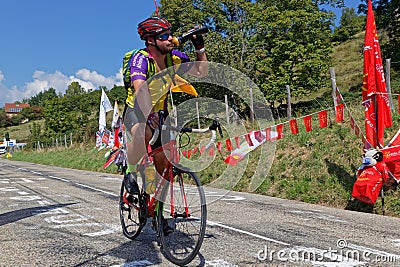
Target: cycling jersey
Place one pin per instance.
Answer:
(158, 86)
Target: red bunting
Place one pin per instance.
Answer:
(398, 100)
(279, 129)
(202, 150)
(229, 144)
(189, 153)
(307, 123)
(184, 153)
(259, 136)
(219, 146)
(323, 119)
(237, 140)
(293, 126)
(195, 150)
(211, 151)
(339, 112)
(268, 133)
(248, 140)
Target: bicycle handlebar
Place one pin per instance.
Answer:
(213, 128)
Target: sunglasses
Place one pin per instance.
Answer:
(164, 36)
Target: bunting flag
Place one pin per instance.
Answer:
(398, 102)
(339, 112)
(268, 133)
(307, 123)
(323, 118)
(229, 144)
(279, 129)
(211, 151)
(375, 100)
(105, 106)
(293, 126)
(116, 116)
(237, 140)
(255, 138)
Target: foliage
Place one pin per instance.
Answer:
(350, 24)
(74, 89)
(40, 98)
(275, 43)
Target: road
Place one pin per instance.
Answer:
(52, 216)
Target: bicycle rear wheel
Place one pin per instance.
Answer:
(129, 213)
(188, 204)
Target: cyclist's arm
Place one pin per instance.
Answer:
(143, 96)
(200, 66)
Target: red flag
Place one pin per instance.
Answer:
(219, 146)
(398, 100)
(228, 143)
(323, 119)
(293, 126)
(268, 133)
(237, 140)
(279, 129)
(211, 152)
(307, 123)
(248, 140)
(375, 100)
(339, 112)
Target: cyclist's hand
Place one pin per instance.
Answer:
(153, 120)
(198, 41)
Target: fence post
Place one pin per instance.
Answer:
(333, 81)
(70, 138)
(226, 109)
(65, 140)
(289, 106)
(251, 105)
(389, 90)
(198, 115)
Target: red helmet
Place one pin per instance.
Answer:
(152, 26)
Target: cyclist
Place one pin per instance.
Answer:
(147, 97)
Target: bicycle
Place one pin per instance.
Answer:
(182, 190)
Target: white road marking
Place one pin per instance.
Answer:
(9, 189)
(26, 198)
(135, 264)
(99, 190)
(211, 223)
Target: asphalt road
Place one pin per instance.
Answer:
(51, 216)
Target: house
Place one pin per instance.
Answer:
(14, 109)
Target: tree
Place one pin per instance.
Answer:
(275, 43)
(40, 98)
(74, 89)
(350, 24)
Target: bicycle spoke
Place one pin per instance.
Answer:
(129, 210)
(188, 220)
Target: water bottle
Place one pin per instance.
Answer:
(150, 180)
(186, 36)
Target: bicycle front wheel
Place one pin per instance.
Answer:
(184, 213)
(129, 213)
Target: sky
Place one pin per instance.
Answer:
(49, 44)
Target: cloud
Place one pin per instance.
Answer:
(89, 80)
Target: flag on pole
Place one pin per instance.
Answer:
(105, 106)
(375, 99)
(114, 123)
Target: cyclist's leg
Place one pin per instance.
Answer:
(136, 146)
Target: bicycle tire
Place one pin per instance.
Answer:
(129, 213)
(182, 246)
